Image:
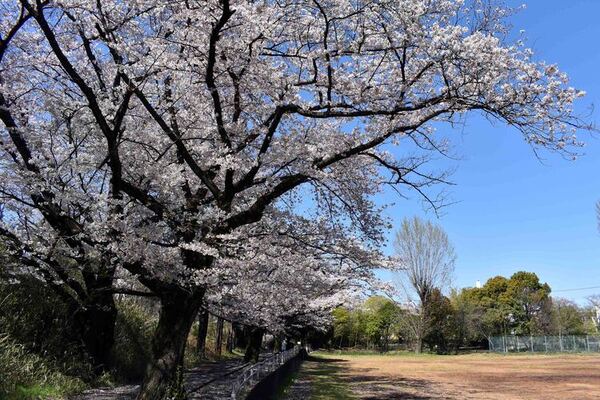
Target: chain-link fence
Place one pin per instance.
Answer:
(544, 344)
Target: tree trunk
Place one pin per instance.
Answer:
(94, 322)
(277, 344)
(386, 341)
(230, 339)
(219, 338)
(202, 332)
(240, 336)
(163, 374)
(253, 348)
(419, 345)
(421, 325)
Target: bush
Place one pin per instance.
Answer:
(40, 323)
(36, 317)
(26, 375)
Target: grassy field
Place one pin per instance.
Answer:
(474, 376)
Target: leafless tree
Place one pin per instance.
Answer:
(426, 263)
(595, 306)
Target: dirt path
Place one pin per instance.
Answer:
(470, 377)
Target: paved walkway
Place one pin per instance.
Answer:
(211, 380)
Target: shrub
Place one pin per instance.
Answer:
(26, 375)
(35, 317)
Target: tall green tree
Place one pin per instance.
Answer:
(342, 326)
(374, 322)
(520, 304)
(442, 333)
(529, 300)
(567, 318)
(382, 316)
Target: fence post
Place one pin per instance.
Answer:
(561, 343)
(545, 344)
(587, 343)
(531, 342)
(504, 343)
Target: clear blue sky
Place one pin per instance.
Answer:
(515, 212)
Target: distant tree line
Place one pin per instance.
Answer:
(464, 319)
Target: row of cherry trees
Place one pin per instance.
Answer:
(227, 152)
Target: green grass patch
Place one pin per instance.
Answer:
(35, 392)
(323, 374)
(325, 379)
(481, 355)
(285, 386)
(358, 352)
(24, 375)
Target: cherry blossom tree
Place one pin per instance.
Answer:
(149, 136)
(45, 211)
(288, 274)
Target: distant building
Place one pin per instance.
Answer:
(478, 284)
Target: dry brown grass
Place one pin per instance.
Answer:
(474, 376)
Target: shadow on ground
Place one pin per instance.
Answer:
(376, 387)
(331, 380)
(325, 360)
